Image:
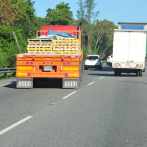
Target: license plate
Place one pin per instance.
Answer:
(127, 64)
(47, 68)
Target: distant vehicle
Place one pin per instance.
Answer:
(109, 60)
(129, 48)
(133, 26)
(93, 61)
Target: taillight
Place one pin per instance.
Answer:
(31, 62)
(86, 58)
(29, 74)
(66, 74)
(98, 57)
(64, 63)
(68, 63)
(27, 62)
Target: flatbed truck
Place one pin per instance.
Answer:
(58, 57)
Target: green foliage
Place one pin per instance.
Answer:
(24, 23)
(87, 15)
(60, 16)
(19, 16)
(100, 32)
(103, 38)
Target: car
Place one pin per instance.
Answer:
(93, 61)
(109, 60)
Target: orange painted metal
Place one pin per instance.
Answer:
(59, 63)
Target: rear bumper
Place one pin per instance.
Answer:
(93, 66)
(127, 70)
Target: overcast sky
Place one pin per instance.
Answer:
(112, 10)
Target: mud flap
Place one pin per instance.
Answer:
(24, 83)
(70, 83)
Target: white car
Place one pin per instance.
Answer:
(93, 61)
(109, 60)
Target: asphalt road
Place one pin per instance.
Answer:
(106, 111)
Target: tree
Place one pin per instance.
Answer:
(90, 13)
(60, 16)
(103, 38)
(81, 11)
(11, 11)
(22, 20)
(88, 16)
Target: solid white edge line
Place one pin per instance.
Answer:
(91, 83)
(69, 95)
(14, 125)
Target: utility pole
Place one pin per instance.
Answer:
(17, 42)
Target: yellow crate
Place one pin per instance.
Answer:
(34, 49)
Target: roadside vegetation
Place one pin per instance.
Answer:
(19, 16)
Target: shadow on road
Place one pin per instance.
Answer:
(104, 69)
(132, 82)
(111, 75)
(101, 74)
(11, 85)
(48, 83)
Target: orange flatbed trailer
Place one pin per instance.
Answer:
(66, 63)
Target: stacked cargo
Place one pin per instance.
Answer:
(47, 46)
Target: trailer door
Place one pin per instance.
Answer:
(121, 46)
(137, 46)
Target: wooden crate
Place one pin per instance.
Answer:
(39, 49)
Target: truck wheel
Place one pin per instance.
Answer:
(137, 73)
(100, 68)
(117, 73)
(85, 68)
(140, 73)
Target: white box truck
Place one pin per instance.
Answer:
(129, 49)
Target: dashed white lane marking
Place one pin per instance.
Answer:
(14, 125)
(101, 77)
(69, 95)
(5, 84)
(91, 83)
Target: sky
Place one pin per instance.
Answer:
(112, 10)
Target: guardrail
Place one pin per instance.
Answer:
(8, 70)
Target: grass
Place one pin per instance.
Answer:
(8, 75)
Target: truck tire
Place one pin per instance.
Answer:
(81, 71)
(85, 68)
(100, 68)
(137, 73)
(140, 73)
(117, 73)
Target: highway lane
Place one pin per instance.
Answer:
(111, 111)
(16, 104)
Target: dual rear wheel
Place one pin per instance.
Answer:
(139, 73)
